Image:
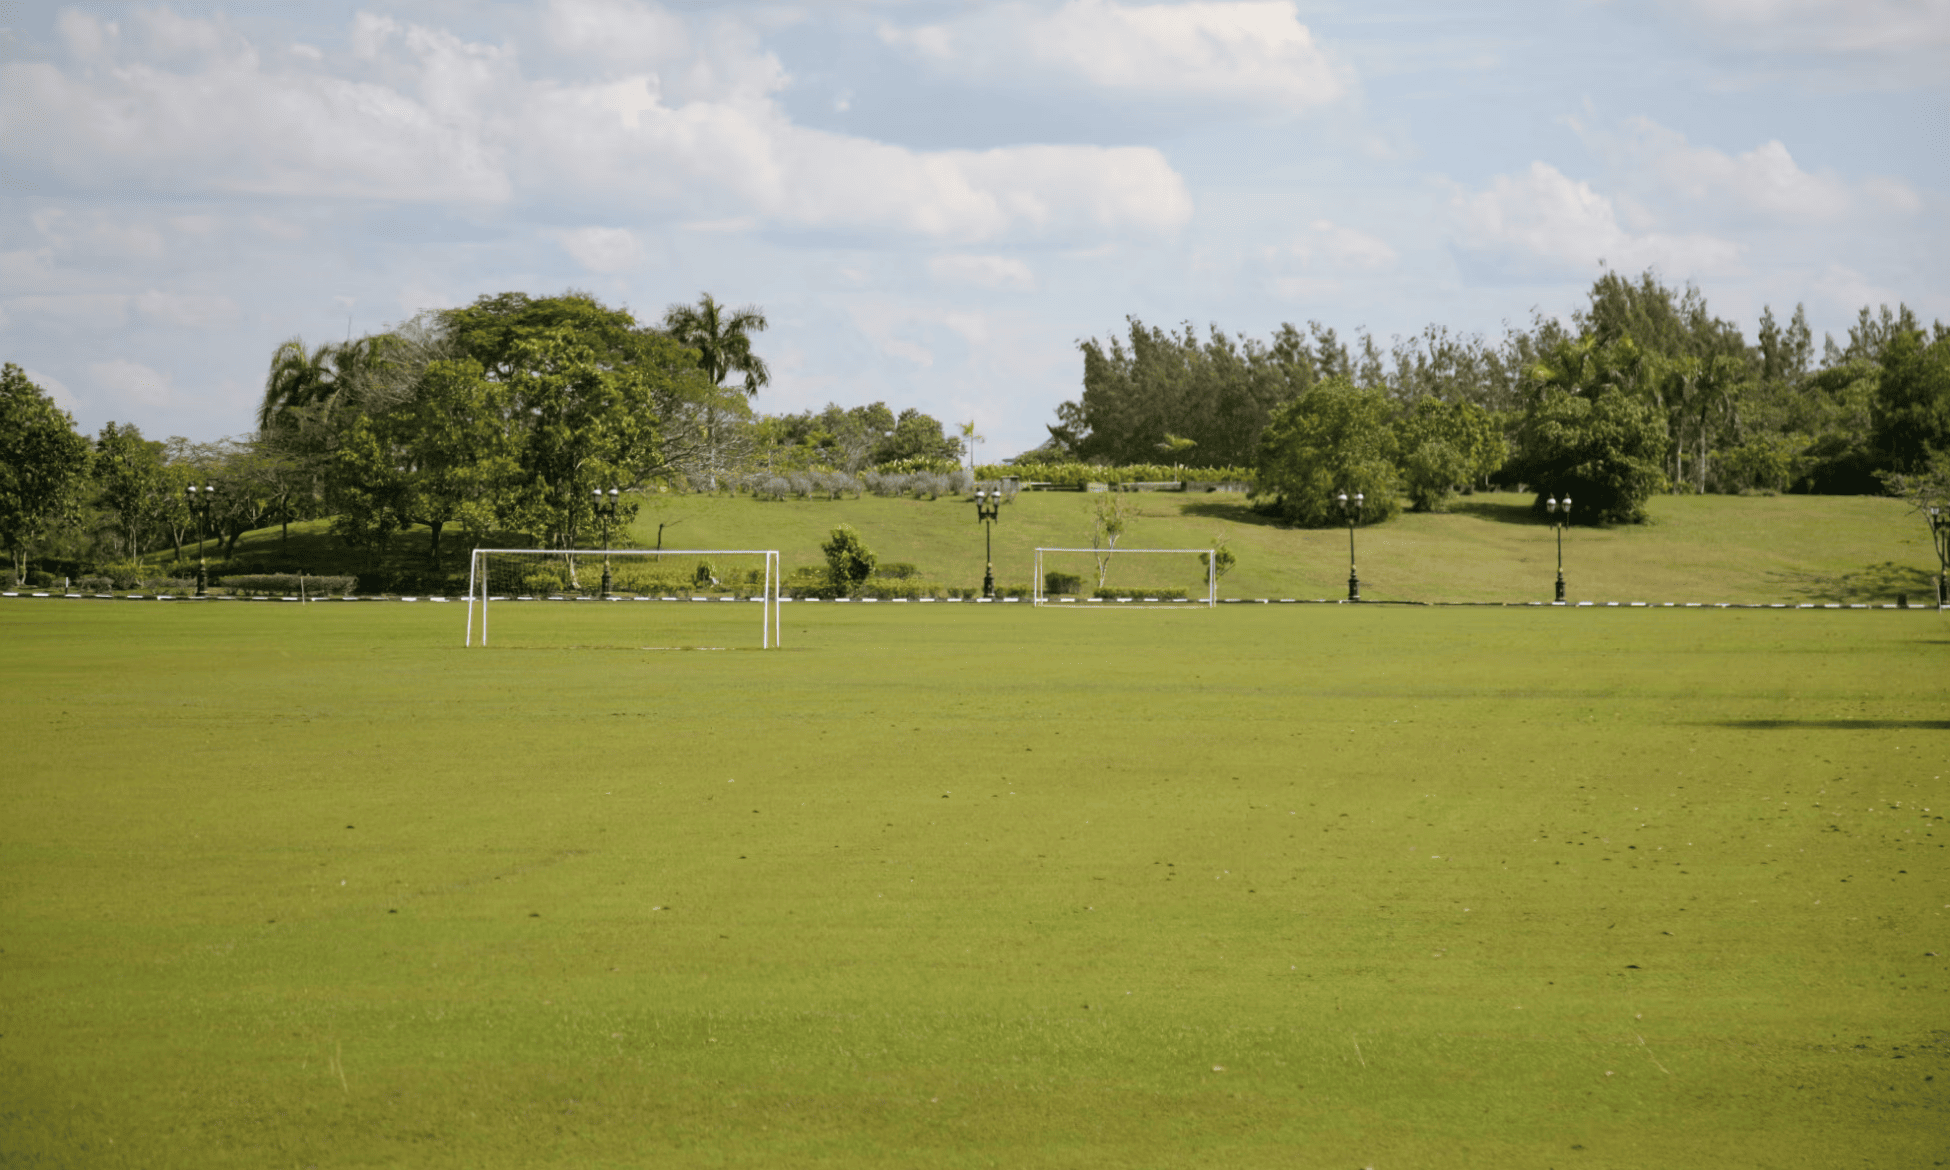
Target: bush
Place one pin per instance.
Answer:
(849, 562)
(1061, 583)
(39, 580)
(94, 584)
(1141, 594)
(895, 570)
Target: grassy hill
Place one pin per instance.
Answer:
(1488, 549)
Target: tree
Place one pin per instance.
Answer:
(849, 562)
(1221, 554)
(43, 464)
(133, 486)
(1910, 413)
(1605, 451)
(1332, 438)
(722, 340)
(1217, 393)
(447, 455)
(1110, 514)
(1447, 444)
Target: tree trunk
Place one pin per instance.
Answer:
(434, 526)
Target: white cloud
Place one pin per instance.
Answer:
(55, 388)
(1338, 246)
(1826, 26)
(994, 272)
(186, 310)
(437, 119)
(1253, 51)
(1542, 225)
(132, 381)
(1764, 181)
(83, 310)
(231, 124)
(601, 249)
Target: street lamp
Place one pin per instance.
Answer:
(1560, 514)
(988, 508)
(1940, 530)
(1352, 510)
(201, 500)
(606, 512)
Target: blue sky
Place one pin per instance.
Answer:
(934, 202)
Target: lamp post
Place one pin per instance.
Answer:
(1940, 530)
(606, 512)
(1560, 514)
(200, 501)
(1351, 508)
(988, 508)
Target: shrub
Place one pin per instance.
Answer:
(1061, 583)
(849, 561)
(1141, 594)
(285, 584)
(94, 584)
(895, 570)
(39, 580)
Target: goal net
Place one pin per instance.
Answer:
(656, 599)
(1120, 578)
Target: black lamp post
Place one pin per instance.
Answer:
(988, 508)
(1351, 508)
(1560, 514)
(606, 512)
(1940, 530)
(201, 500)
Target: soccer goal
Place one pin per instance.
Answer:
(669, 599)
(1122, 578)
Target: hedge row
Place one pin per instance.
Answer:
(1076, 475)
(287, 584)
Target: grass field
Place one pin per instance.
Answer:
(1489, 548)
(973, 886)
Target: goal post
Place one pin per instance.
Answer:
(1149, 577)
(498, 578)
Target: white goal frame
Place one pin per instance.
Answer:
(1210, 601)
(771, 625)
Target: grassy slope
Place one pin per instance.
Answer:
(1698, 548)
(962, 886)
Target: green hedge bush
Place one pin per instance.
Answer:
(1076, 475)
(286, 585)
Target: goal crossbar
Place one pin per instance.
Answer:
(1210, 600)
(771, 625)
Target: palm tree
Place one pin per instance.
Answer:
(722, 340)
(724, 346)
(298, 378)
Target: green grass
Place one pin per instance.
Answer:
(1697, 548)
(972, 886)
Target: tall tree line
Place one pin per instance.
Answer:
(1680, 397)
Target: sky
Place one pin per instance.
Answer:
(934, 202)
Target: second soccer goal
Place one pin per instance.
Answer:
(650, 599)
(1145, 577)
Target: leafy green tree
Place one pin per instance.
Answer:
(1447, 444)
(43, 464)
(1911, 409)
(1153, 385)
(1607, 451)
(849, 562)
(1333, 437)
(448, 455)
(589, 425)
(132, 484)
(1220, 553)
